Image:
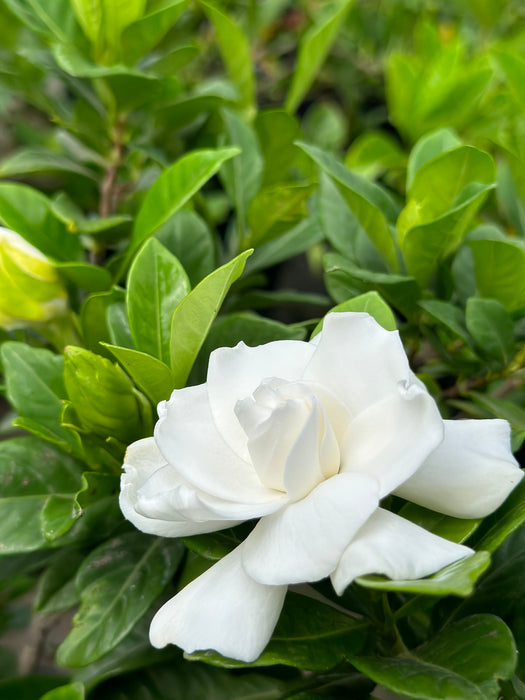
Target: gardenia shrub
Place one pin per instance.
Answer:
(262, 350)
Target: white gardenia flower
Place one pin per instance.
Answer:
(307, 437)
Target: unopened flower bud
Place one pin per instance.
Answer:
(31, 290)
(103, 396)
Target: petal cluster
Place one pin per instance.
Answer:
(307, 438)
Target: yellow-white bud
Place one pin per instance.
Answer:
(31, 290)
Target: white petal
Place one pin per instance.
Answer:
(235, 373)
(358, 360)
(156, 500)
(470, 474)
(314, 456)
(304, 540)
(187, 437)
(390, 545)
(223, 609)
(392, 438)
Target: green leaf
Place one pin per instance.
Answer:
(198, 681)
(31, 473)
(371, 206)
(309, 635)
(30, 213)
(276, 209)
(300, 238)
(374, 152)
(35, 388)
(492, 329)
(463, 662)
(399, 291)
(500, 271)
(449, 315)
(72, 691)
(370, 303)
(313, 49)
(33, 160)
(508, 518)
(93, 318)
(152, 376)
(92, 278)
(241, 176)
(188, 237)
(513, 66)
(195, 314)
(429, 147)
(501, 408)
(455, 529)
(118, 326)
(174, 187)
(117, 582)
(235, 50)
(446, 193)
(56, 589)
(157, 283)
(142, 35)
(457, 579)
(277, 131)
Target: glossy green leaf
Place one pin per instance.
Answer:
(372, 207)
(277, 209)
(449, 315)
(374, 152)
(56, 589)
(499, 268)
(156, 284)
(508, 518)
(187, 236)
(92, 278)
(313, 49)
(492, 329)
(174, 187)
(195, 314)
(235, 50)
(429, 147)
(501, 408)
(143, 34)
(71, 691)
(457, 579)
(198, 681)
(455, 529)
(104, 20)
(118, 326)
(28, 212)
(399, 291)
(241, 176)
(35, 388)
(513, 66)
(463, 662)
(118, 582)
(93, 318)
(32, 160)
(370, 303)
(277, 131)
(300, 238)
(31, 472)
(54, 20)
(309, 635)
(152, 376)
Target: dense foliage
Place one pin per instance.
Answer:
(200, 174)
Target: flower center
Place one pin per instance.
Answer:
(291, 441)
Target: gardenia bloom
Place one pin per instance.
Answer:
(307, 437)
(30, 289)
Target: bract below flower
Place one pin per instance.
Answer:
(308, 438)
